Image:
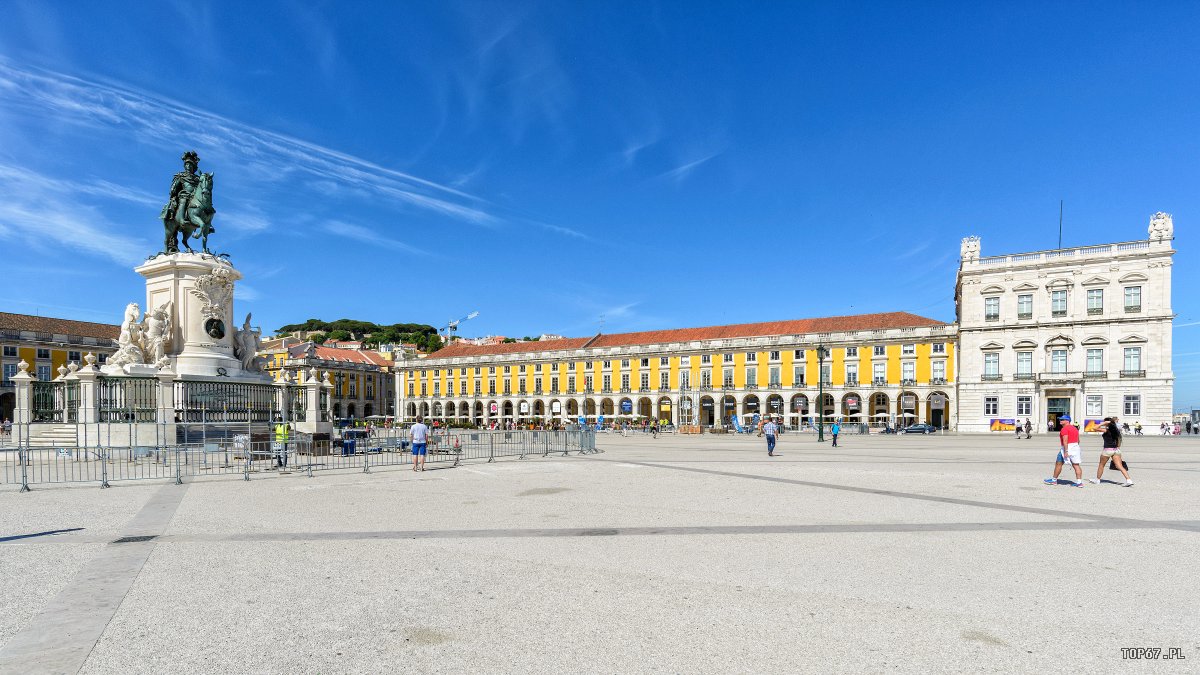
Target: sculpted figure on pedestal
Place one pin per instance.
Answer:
(246, 343)
(1162, 226)
(157, 335)
(129, 342)
(189, 206)
(970, 248)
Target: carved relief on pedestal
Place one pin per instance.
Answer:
(215, 291)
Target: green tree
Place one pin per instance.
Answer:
(318, 338)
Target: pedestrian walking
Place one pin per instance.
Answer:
(1028, 428)
(769, 430)
(419, 435)
(836, 429)
(1068, 441)
(1112, 452)
(1137, 428)
(1017, 426)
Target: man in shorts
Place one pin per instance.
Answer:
(1068, 440)
(419, 435)
(1112, 451)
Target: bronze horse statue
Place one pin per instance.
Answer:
(197, 217)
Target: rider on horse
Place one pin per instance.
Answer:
(175, 213)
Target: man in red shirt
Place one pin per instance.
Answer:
(1068, 440)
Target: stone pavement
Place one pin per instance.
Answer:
(908, 554)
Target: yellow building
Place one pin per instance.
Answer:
(362, 379)
(877, 368)
(47, 344)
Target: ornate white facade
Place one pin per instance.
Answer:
(1084, 331)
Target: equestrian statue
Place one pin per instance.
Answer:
(189, 210)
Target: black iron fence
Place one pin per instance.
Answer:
(224, 402)
(126, 399)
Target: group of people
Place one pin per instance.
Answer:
(1070, 452)
(1187, 427)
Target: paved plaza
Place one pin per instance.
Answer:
(677, 554)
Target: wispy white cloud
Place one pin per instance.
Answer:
(104, 104)
(368, 236)
(681, 172)
(1188, 324)
(243, 291)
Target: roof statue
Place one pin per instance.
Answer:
(970, 248)
(1161, 227)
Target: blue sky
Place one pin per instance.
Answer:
(660, 164)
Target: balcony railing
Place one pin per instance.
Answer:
(1024, 315)
(752, 387)
(774, 386)
(879, 381)
(1023, 376)
(992, 377)
(1133, 373)
(937, 380)
(625, 390)
(1132, 309)
(644, 390)
(1096, 374)
(851, 381)
(991, 317)
(1058, 312)
(1095, 310)
(661, 389)
(908, 381)
(706, 387)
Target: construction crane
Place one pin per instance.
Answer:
(448, 330)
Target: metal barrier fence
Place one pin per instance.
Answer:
(239, 455)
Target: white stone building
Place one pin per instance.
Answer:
(1084, 331)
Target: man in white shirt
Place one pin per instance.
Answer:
(419, 435)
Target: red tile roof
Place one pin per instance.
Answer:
(335, 354)
(832, 324)
(44, 324)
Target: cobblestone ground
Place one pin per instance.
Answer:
(676, 554)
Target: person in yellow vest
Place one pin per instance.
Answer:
(281, 439)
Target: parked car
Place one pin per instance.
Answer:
(920, 429)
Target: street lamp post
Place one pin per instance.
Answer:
(821, 353)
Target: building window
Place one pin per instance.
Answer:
(1024, 306)
(880, 350)
(751, 357)
(727, 378)
(625, 381)
(74, 357)
(1094, 404)
(1025, 405)
(825, 370)
(684, 361)
(492, 387)
(752, 377)
(774, 356)
(624, 363)
(1058, 303)
(908, 350)
(1024, 364)
(43, 373)
(664, 380)
(706, 358)
(102, 358)
(478, 388)
(706, 379)
(10, 369)
(410, 388)
(588, 365)
(798, 376)
(537, 384)
(851, 352)
(1133, 298)
(939, 348)
(1133, 404)
(939, 371)
(774, 376)
(991, 405)
(991, 365)
(43, 353)
(991, 309)
(880, 373)
(554, 384)
(507, 386)
(798, 354)
(1095, 300)
(10, 351)
(645, 363)
(909, 372)
(571, 384)
(645, 377)
(507, 370)
(1133, 359)
(1095, 361)
(607, 364)
(1058, 361)
(424, 391)
(606, 380)
(588, 382)
(685, 379)
(665, 360)
(449, 389)
(851, 373)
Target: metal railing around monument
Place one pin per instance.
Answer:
(127, 399)
(222, 402)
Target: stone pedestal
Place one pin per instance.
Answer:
(203, 327)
